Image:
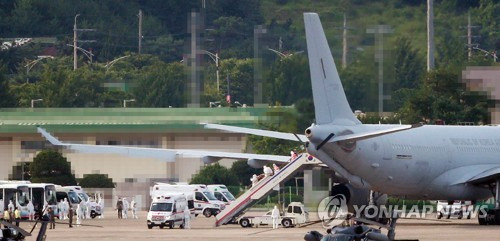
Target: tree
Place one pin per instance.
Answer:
(6, 99)
(290, 80)
(161, 86)
(407, 66)
(50, 166)
(244, 172)
(215, 174)
(96, 181)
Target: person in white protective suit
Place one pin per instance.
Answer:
(133, 206)
(65, 205)
(268, 171)
(2, 208)
(31, 210)
(275, 215)
(254, 180)
(87, 209)
(187, 217)
(10, 207)
(79, 214)
(101, 204)
(126, 206)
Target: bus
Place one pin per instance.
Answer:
(43, 195)
(19, 194)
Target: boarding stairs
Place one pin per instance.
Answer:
(263, 188)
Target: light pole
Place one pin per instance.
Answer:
(125, 102)
(32, 64)
(75, 40)
(283, 55)
(492, 53)
(33, 102)
(108, 65)
(84, 51)
(215, 58)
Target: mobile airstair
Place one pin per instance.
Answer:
(263, 188)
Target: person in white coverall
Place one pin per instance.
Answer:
(126, 206)
(31, 210)
(79, 214)
(187, 217)
(254, 180)
(101, 204)
(268, 171)
(133, 206)
(275, 215)
(65, 208)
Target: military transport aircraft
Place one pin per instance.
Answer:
(411, 161)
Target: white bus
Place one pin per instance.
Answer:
(19, 194)
(43, 195)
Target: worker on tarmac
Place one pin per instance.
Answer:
(133, 206)
(79, 214)
(11, 207)
(31, 210)
(126, 206)
(275, 215)
(187, 217)
(101, 204)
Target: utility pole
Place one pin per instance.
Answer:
(280, 44)
(140, 31)
(469, 36)
(194, 86)
(379, 32)
(430, 35)
(75, 40)
(344, 44)
(257, 85)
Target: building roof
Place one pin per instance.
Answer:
(79, 120)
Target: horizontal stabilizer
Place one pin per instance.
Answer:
(167, 155)
(371, 134)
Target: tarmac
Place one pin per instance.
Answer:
(203, 228)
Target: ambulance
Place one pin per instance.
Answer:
(167, 211)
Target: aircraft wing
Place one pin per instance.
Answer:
(367, 135)
(486, 177)
(273, 134)
(168, 155)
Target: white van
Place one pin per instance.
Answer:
(69, 194)
(204, 201)
(95, 208)
(167, 210)
(221, 193)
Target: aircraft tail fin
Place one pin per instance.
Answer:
(330, 102)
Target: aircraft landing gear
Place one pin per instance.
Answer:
(493, 216)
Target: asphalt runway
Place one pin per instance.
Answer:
(202, 228)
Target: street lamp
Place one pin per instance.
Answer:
(283, 55)
(125, 102)
(32, 64)
(214, 104)
(110, 64)
(215, 58)
(84, 51)
(492, 53)
(33, 102)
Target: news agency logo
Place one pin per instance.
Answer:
(332, 210)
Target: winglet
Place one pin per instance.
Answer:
(54, 141)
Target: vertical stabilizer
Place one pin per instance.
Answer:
(330, 102)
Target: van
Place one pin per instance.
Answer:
(167, 211)
(221, 193)
(95, 208)
(69, 194)
(204, 201)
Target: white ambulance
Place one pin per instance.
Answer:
(167, 211)
(204, 200)
(221, 193)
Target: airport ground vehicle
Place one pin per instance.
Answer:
(221, 193)
(69, 194)
(459, 209)
(95, 208)
(43, 195)
(295, 215)
(167, 211)
(204, 201)
(19, 194)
